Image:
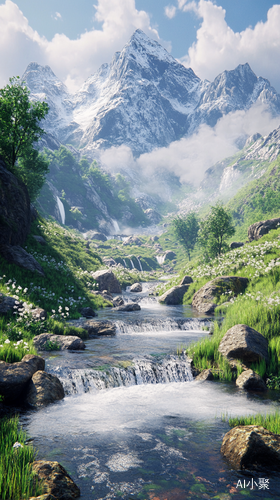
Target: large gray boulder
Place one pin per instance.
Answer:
(174, 296)
(257, 230)
(95, 235)
(186, 280)
(131, 306)
(44, 389)
(251, 447)
(99, 328)
(236, 244)
(8, 304)
(107, 281)
(14, 377)
(136, 287)
(245, 343)
(63, 342)
(17, 255)
(132, 240)
(204, 299)
(250, 381)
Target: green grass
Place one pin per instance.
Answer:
(271, 422)
(17, 481)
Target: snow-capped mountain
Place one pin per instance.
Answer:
(144, 99)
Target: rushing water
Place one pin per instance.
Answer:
(134, 424)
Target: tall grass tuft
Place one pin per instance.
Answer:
(17, 482)
(271, 422)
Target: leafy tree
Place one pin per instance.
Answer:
(186, 230)
(19, 131)
(215, 229)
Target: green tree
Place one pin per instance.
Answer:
(215, 229)
(19, 131)
(186, 231)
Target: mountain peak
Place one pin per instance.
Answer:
(140, 43)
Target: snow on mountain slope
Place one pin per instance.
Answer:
(143, 99)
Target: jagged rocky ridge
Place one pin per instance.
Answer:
(144, 99)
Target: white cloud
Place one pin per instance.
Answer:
(170, 11)
(218, 47)
(186, 158)
(72, 60)
(57, 16)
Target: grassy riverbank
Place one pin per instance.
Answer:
(17, 481)
(271, 422)
(258, 307)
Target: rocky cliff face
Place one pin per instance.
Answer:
(14, 208)
(144, 99)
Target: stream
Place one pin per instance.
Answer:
(135, 425)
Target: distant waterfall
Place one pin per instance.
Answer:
(124, 263)
(160, 259)
(116, 226)
(140, 265)
(132, 265)
(61, 209)
(171, 369)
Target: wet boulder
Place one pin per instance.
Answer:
(99, 328)
(250, 381)
(204, 299)
(205, 375)
(136, 287)
(245, 343)
(251, 447)
(14, 377)
(44, 389)
(257, 230)
(118, 301)
(56, 481)
(131, 306)
(87, 312)
(107, 281)
(174, 296)
(48, 342)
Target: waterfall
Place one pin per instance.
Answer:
(61, 209)
(116, 226)
(140, 265)
(124, 263)
(171, 369)
(132, 265)
(166, 325)
(160, 259)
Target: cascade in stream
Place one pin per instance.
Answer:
(160, 259)
(144, 371)
(124, 263)
(132, 265)
(167, 325)
(140, 265)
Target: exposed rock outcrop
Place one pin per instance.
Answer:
(251, 447)
(44, 389)
(186, 280)
(174, 296)
(107, 281)
(204, 299)
(245, 343)
(14, 377)
(236, 244)
(251, 381)
(136, 287)
(132, 240)
(8, 304)
(55, 479)
(95, 235)
(69, 342)
(153, 216)
(17, 255)
(257, 230)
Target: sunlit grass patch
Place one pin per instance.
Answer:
(270, 421)
(17, 481)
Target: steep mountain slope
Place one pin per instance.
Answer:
(144, 99)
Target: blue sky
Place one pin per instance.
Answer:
(75, 37)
